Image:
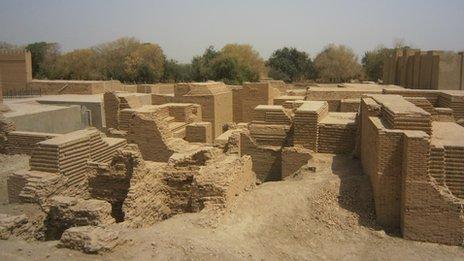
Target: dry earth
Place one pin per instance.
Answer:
(327, 214)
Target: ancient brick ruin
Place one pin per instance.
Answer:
(168, 149)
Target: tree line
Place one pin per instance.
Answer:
(132, 61)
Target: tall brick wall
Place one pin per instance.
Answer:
(435, 70)
(15, 69)
(429, 212)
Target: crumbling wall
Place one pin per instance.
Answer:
(293, 158)
(67, 212)
(189, 182)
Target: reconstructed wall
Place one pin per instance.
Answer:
(70, 153)
(15, 69)
(305, 123)
(23, 142)
(436, 70)
(251, 95)
(408, 170)
(337, 133)
(55, 87)
(114, 102)
(158, 130)
(46, 118)
(429, 212)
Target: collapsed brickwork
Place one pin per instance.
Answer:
(408, 169)
(414, 69)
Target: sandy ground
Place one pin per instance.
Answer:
(327, 214)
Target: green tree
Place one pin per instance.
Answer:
(248, 58)
(373, 61)
(176, 72)
(145, 63)
(78, 65)
(337, 63)
(44, 56)
(290, 65)
(202, 65)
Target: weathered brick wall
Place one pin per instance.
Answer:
(267, 160)
(199, 132)
(24, 142)
(15, 69)
(337, 139)
(429, 212)
(306, 121)
(293, 158)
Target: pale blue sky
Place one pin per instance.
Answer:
(186, 28)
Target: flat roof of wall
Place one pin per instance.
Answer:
(89, 98)
(447, 134)
(30, 107)
(354, 87)
(339, 118)
(397, 104)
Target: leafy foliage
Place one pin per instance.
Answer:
(337, 63)
(290, 65)
(44, 56)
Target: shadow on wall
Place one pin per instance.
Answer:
(355, 194)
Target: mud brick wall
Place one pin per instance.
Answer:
(217, 184)
(293, 158)
(267, 160)
(349, 105)
(199, 132)
(305, 123)
(111, 105)
(55, 87)
(23, 142)
(382, 161)
(250, 96)
(429, 212)
(454, 102)
(69, 154)
(336, 138)
(435, 70)
(150, 131)
(33, 186)
(15, 69)
(236, 102)
(214, 98)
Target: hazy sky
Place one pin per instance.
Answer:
(186, 28)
